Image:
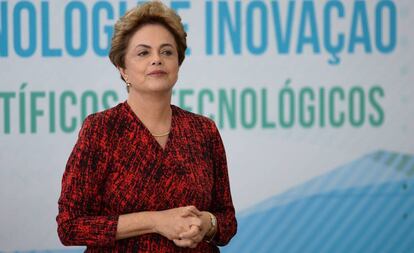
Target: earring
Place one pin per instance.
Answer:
(127, 82)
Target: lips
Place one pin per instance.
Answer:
(157, 73)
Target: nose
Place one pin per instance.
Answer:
(156, 60)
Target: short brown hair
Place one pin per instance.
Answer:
(153, 12)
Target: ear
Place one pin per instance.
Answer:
(123, 73)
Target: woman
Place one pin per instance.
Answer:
(147, 176)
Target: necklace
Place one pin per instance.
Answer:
(161, 135)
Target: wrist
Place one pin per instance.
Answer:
(206, 224)
(212, 228)
(154, 218)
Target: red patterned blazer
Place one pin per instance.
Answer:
(117, 167)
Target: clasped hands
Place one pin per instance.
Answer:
(185, 226)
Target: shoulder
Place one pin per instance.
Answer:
(107, 114)
(100, 122)
(193, 120)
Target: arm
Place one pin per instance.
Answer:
(222, 204)
(80, 199)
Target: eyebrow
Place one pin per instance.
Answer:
(162, 45)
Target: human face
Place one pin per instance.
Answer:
(151, 60)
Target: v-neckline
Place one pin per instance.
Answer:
(148, 132)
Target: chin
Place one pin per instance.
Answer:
(160, 86)
(164, 88)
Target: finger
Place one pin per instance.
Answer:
(192, 232)
(193, 210)
(193, 245)
(186, 211)
(195, 221)
(185, 243)
(178, 242)
(198, 238)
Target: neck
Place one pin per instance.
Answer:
(153, 110)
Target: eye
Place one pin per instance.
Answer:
(142, 53)
(167, 52)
